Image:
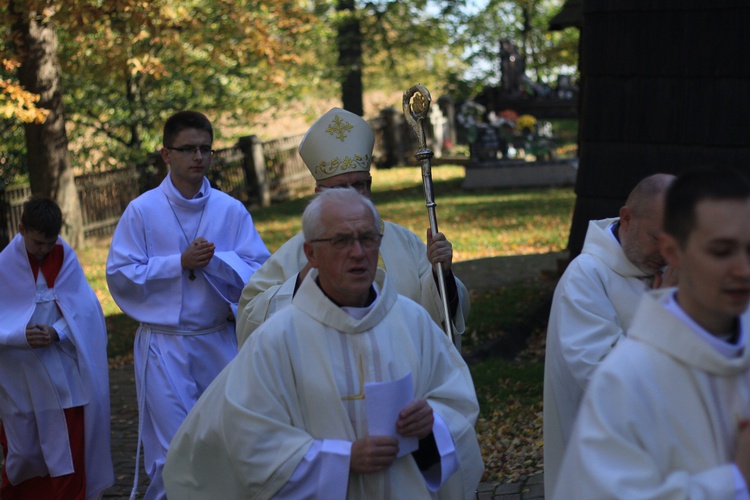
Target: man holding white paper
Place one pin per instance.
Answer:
(288, 418)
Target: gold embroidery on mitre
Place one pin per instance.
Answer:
(358, 162)
(339, 128)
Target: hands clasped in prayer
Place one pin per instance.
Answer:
(41, 335)
(198, 254)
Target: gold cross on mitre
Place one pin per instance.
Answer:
(339, 128)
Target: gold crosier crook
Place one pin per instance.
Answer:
(416, 104)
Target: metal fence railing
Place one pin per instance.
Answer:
(281, 175)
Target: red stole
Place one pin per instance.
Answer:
(50, 266)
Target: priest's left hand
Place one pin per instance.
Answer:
(416, 419)
(439, 249)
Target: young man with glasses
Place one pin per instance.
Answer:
(179, 258)
(291, 417)
(338, 152)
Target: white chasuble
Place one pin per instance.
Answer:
(300, 381)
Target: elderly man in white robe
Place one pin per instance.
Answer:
(179, 258)
(593, 306)
(292, 416)
(338, 151)
(666, 414)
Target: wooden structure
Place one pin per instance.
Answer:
(663, 89)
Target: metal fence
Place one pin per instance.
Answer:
(288, 175)
(252, 171)
(103, 197)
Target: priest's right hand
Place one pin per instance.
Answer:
(373, 454)
(198, 254)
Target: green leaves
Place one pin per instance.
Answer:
(127, 64)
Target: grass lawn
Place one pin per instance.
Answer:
(479, 224)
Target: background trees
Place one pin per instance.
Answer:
(35, 42)
(481, 26)
(126, 64)
(92, 88)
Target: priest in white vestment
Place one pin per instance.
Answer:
(666, 414)
(593, 305)
(289, 417)
(179, 258)
(338, 151)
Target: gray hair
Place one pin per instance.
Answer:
(312, 221)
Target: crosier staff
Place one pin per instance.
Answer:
(416, 105)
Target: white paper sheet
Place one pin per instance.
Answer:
(383, 402)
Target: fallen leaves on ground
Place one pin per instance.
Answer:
(121, 361)
(511, 434)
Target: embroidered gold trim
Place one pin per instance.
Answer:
(357, 162)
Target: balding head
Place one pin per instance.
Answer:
(649, 191)
(641, 222)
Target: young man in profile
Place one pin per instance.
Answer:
(665, 415)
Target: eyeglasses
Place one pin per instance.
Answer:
(360, 186)
(341, 241)
(189, 149)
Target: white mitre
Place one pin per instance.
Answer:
(338, 143)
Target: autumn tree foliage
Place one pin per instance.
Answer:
(103, 75)
(138, 61)
(112, 70)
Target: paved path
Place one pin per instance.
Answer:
(124, 422)
(478, 275)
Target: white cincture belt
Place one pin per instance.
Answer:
(147, 329)
(177, 331)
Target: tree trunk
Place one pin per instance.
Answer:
(50, 171)
(132, 95)
(349, 42)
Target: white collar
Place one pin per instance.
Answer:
(723, 347)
